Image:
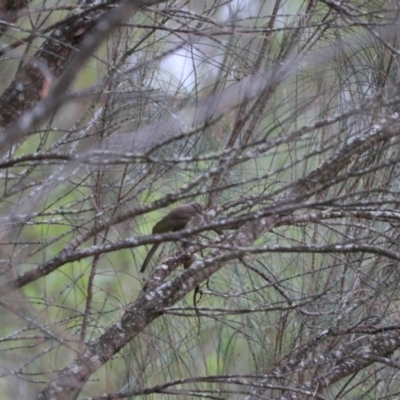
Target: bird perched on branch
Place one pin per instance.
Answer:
(181, 217)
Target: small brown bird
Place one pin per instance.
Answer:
(181, 217)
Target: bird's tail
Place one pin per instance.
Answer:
(148, 257)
